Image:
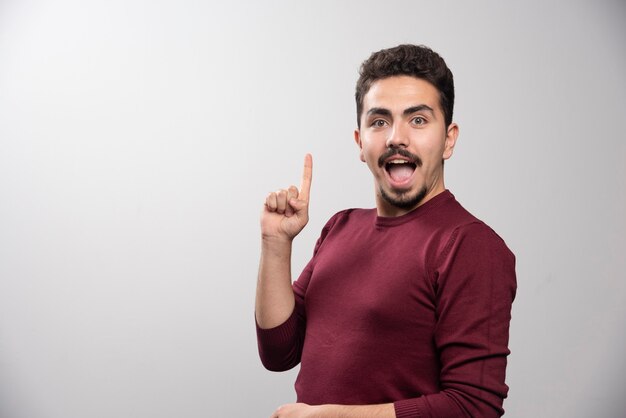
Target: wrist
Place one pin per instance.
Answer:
(276, 240)
(276, 247)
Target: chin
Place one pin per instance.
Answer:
(404, 199)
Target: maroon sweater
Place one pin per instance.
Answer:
(413, 310)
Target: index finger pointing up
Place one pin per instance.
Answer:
(307, 176)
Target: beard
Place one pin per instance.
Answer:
(403, 200)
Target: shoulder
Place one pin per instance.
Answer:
(468, 244)
(477, 236)
(475, 253)
(465, 229)
(351, 215)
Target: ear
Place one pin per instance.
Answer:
(452, 134)
(357, 139)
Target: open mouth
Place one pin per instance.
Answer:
(399, 170)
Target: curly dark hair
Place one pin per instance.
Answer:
(412, 60)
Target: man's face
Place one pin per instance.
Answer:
(404, 140)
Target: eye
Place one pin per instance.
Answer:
(378, 123)
(418, 120)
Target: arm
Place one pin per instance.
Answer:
(475, 285)
(284, 215)
(300, 410)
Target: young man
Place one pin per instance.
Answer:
(404, 309)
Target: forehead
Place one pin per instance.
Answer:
(400, 92)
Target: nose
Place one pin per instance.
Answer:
(398, 137)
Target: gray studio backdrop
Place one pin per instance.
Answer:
(138, 140)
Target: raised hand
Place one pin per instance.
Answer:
(286, 211)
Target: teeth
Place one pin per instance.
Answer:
(398, 162)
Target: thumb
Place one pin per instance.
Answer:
(298, 205)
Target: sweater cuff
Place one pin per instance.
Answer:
(280, 334)
(407, 408)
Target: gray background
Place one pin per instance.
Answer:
(139, 138)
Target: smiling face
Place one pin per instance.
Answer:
(404, 140)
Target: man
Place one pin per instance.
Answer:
(404, 309)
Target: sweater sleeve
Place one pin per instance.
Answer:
(475, 285)
(280, 348)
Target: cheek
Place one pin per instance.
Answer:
(366, 150)
(371, 155)
(434, 150)
(372, 147)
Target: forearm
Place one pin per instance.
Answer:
(302, 410)
(357, 411)
(274, 295)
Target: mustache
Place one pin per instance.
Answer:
(399, 151)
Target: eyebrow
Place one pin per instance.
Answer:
(379, 111)
(386, 112)
(418, 108)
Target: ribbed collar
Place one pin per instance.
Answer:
(432, 204)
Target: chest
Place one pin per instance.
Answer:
(378, 279)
